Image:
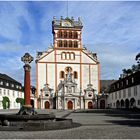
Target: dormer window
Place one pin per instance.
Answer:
(1, 82)
(12, 85)
(7, 84)
(17, 86)
(126, 82)
(132, 79)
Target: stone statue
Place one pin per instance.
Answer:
(69, 75)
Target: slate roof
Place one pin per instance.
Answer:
(105, 85)
(122, 82)
(8, 78)
(5, 78)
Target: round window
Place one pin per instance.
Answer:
(47, 95)
(90, 94)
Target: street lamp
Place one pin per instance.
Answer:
(41, 98)
(33, 89)
(80, 97)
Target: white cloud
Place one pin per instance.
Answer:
(112, 27)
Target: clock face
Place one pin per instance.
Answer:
(68, 24)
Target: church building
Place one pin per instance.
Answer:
(67, 74)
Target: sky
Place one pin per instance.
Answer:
(110, 29)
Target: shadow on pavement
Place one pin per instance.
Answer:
(129, 117)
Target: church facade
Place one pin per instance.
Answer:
(67, 74)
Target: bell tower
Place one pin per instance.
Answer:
(67, 33)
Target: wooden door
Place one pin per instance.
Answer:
(47, 105)
(90, 105)
(70, 105)
(102, 104)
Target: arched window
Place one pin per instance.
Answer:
(63, 55)
(65, 43)
(75, 75)
(75, 35)
(75, 44)
(70, 34)
(60, 43)
(72, 55)
(60, 34)
(68, 69)
(70, 43)
(65, 34)
(68, 55)
(62, 74)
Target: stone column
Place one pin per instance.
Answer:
(27, 85)
(27, 59)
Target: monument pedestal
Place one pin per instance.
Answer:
(27, 110)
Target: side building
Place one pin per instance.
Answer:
(125, 93)
(10, 90)
(104, 92)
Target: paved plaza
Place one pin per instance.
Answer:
(94, 124)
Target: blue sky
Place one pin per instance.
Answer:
(111, 29)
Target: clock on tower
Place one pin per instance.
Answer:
(66, 24)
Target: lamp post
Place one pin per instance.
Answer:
(97, 101)
(80, 97)
(33, 89)
(41, 99)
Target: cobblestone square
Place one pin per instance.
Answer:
(94, 124)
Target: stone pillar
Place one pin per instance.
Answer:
(27, 85)
(27, 59)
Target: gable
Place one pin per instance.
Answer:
(86, 58)
(47, 57)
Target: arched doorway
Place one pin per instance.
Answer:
(47, 105)
(32, 102)
(126, 103)
(90, 105)
(70, 105)
(132, 102)
(102, 104)
(117, 104)
(122, 103)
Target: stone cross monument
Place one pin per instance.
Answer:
(26, 109)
